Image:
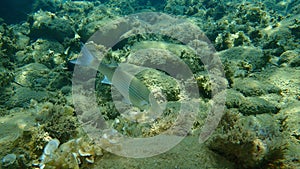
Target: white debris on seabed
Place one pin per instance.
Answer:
(72, 154)
(8, 160)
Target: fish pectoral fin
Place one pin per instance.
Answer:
(144, 103)
(106, 81)
(75, 62)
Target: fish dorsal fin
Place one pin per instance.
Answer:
(85, 59)
(105, 80)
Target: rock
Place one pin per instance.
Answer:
(244, 60)
(57, 28)
(249, 141)
(256, 105)
(46, 52)
(23, 95)
(289, 57)
(252, 87)
(234, 98)
(33, 75)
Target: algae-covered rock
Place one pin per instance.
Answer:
(126, 7)
(89, 16)
(295, 28)
(13, 38)
(290, 114)
(162, 55)
(59, 81)
(204, 85)
(295, 62)
(252, 87)
(6, 77)
(59, 121)
(167, 84)
(47, 52)
(287, 79)
(252, 14)
(90, 27)
(290, 58)
(290, 117)
(249, 141)
(10, 132)
(281, 37)
(234, 99)
(179, 7)
(256, 105)
(244, 94)
(13, 128)
(244, 59)
(23, 95)
(33, 75)
(57, 28)
(7, 40)
(227, 40)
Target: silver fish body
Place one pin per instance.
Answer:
(131, 88)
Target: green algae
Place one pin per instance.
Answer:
(261, 124)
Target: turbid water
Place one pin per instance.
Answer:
(223, 73)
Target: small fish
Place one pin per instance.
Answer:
(120, 76)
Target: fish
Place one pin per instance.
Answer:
(121, 76)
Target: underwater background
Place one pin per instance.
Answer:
(257, 42)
